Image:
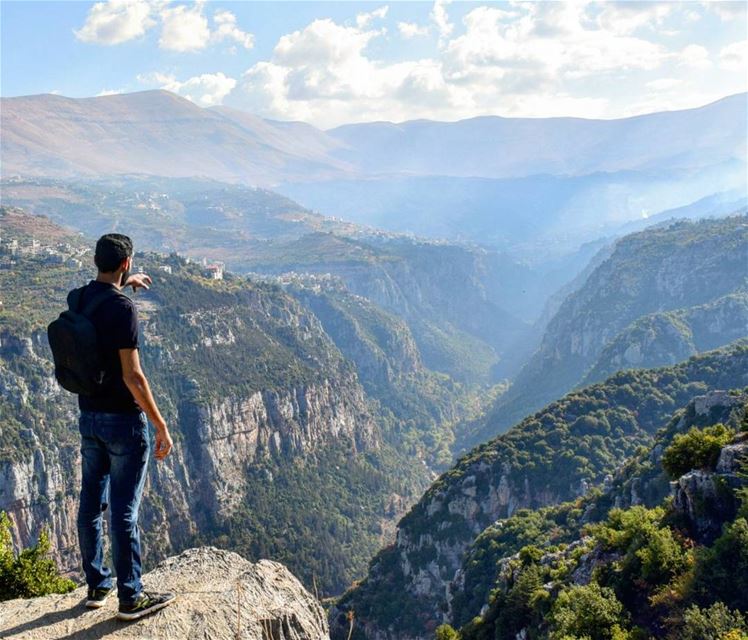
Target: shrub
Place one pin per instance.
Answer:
(29, 573)
(696, 449)
(589, 611)
(446, 632)
(715, 623)
(721, 571)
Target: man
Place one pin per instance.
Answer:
(114, 437)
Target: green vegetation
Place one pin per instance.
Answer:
(638, 279)
(583, 436)
(30, 572)
(697, 449)
(587, 611)
(322, 516)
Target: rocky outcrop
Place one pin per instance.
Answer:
(220, 596)
(666, 338)
(706, 499)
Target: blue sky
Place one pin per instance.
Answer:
(330, 63)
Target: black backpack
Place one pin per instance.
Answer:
(72, 338)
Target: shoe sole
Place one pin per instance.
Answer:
(141, 614)
(96, 604)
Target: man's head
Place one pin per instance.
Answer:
(114, 253)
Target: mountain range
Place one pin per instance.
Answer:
(540, 185)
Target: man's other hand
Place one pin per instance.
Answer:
(139, 281)
(163, 444)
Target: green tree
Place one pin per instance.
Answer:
(721, 571)
(446, 632)
(695, 449)
(713, 623)
(30, 572)
(586, 611)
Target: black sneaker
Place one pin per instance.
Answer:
(144, 604)
(97, 597)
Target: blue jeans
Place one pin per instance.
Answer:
(114, 457)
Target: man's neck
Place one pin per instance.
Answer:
(110, 278)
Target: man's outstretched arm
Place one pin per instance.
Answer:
(137, 383)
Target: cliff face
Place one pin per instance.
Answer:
(220, 595)
(677, 267)
(457, 301)
(705, 505)
(666, 338)
(551, 457)
(257, 396)
(204, 479)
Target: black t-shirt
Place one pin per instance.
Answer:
(116, 323)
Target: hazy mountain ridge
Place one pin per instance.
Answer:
(529, 184)
(556, 146)
(657, 270)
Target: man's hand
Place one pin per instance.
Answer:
(163, 443)
(138, 281)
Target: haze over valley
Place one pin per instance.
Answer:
(468, 367)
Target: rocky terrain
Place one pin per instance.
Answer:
(552, 456)
(220, 596)
(661, 295)
(263, 406)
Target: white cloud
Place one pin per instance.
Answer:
(207, 90)
(522, 58)
(727, 10)
(664, 84)
(624, 18)
(184, 28)
(440, 18)
(227, 29)
(695, 56)
(109, 92)
(411, 29)
(115, 22)
(734, 57)
(363, 19)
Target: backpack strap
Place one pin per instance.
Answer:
(94, 303)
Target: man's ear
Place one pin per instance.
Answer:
(126, 264)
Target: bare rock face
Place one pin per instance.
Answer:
(220, 596)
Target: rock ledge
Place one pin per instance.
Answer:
(221, 596)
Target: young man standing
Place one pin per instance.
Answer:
(114, 436)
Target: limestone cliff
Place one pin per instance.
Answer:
(676, 267)
(258, 397)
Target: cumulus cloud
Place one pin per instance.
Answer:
(109, 92)
(115, 22)
(227, 29)
(208, 89)
(184, 28)
(727, 10)
(522, 58)
(411, 29)
(695, 56)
